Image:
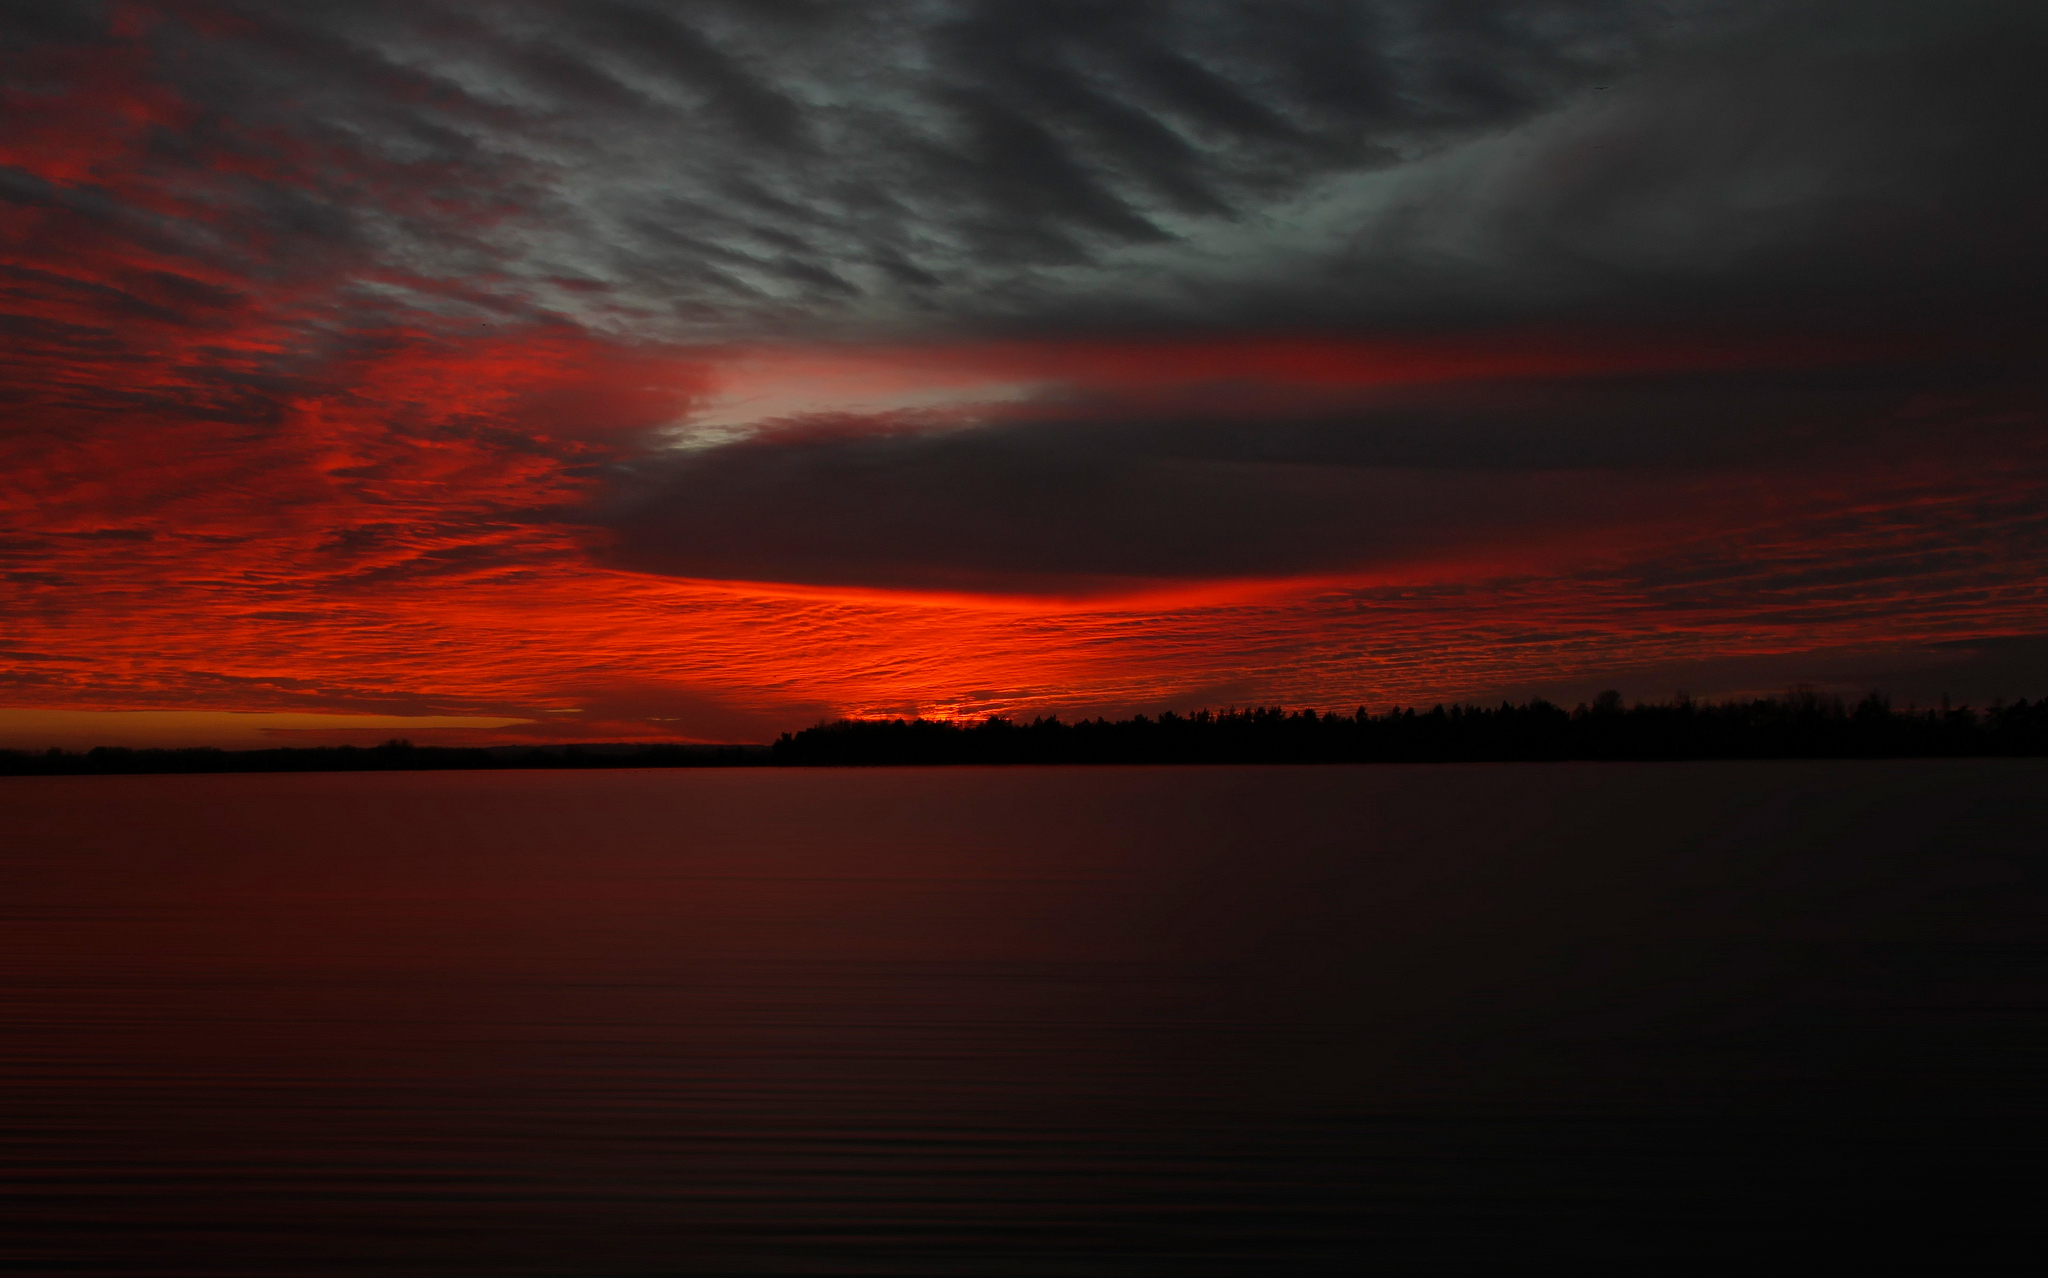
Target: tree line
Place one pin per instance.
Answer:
(1802, 724)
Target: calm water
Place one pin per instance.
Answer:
(1115, 1021)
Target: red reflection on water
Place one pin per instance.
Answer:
(918, 1021)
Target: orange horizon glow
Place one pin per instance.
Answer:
(239, 499)
(251, 468)
(407, 539)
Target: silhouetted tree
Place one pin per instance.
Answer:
(1801, 724)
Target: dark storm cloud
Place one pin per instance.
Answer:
(722, 166)
(26, 23)
(1110, 491)
(1013, 511)
(713, 170)
(1795, 168)
(1827, 164)
(728, 165)
(667, 46)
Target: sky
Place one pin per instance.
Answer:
(694, 370)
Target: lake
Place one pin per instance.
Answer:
(1020, 1021)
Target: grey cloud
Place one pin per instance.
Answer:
(739, 169)
(679, 170)
(1091, 495)
(842, 165)
(1694, 421)
(1017, 512)
(666, 46)
(1018, 166)
(1830, 163)
(27, 23)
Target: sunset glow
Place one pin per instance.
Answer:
(402, 462)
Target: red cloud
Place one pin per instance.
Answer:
(243, 471)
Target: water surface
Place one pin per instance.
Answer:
(1019, 1021)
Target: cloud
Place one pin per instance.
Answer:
(705, 168)
(1825, 163)
(714, 361)
(1153, 463)
(709, 171)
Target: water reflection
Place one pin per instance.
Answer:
(1012, 1021)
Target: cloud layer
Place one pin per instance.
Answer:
(701, 366)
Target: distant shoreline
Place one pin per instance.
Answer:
(1801, 725)
(393, 756)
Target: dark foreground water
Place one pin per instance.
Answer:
(1115, 1021)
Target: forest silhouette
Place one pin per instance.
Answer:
(1802, 724)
